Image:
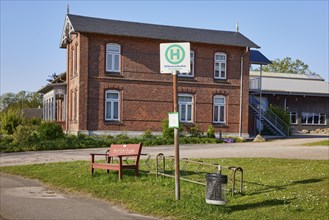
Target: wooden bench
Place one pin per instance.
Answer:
(119, 151)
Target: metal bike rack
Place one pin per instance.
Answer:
(161, 162)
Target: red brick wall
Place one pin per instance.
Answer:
(146, 95)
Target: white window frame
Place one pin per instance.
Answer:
(112, 101)
(296, 115)
(220, 62)
(186, 105)
(191, 73)
(113, 55)
(311, 115)
(219, 105)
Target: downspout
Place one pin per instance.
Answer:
(241, 92)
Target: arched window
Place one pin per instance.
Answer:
(113, 58)
(219, 113)
(220, 66)
(112, 105)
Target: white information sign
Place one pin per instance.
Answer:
(173, 119)
(175, 57)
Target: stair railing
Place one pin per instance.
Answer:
(269, 116)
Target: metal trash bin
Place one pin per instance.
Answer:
(216, 189)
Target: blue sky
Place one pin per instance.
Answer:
(31, 30)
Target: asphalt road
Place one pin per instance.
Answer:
(282, 148)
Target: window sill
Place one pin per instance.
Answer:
(221, 81)
(186, 78)
(216, 125)
(108, 122)
(115, 74)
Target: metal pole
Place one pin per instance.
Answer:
(176, 138)
(260, 100)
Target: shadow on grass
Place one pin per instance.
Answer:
(307, 181)
(268, 188)
(267, 203)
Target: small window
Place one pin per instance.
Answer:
(75, 118)
(75, 65)
(112, 105)
(113, 58)
(293, 117)
(73, 62)
(219, 109)
(220, 66)
(185, 106)
(191, 73)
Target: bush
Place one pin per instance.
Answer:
(211, 132)
(50, 131)
(194, 131)
(32, 121)
(281, 113)
(166, 131)
(24, 134)
(9, 121)
(147, 135)
(122, 137)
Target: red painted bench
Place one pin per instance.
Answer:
(118, 150)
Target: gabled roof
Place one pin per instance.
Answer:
(289, 84)
(76, 23)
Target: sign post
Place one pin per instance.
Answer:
(175, 58)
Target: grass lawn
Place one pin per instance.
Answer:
(273, 189)
(318, 143)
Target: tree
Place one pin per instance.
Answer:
(22, 99)
(287, 65)
(52, 77)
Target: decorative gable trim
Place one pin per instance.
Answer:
(66, 33)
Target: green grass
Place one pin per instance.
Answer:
(273, 189)
(318, 143)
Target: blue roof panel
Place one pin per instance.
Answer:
(257, 57)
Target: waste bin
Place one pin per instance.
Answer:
(216, 189)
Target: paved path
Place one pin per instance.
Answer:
(28, 199)
(284, 148)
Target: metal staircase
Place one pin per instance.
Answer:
(268, 118)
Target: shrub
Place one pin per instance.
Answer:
(32, 121)
(9, 121)
(281, 113)
(166, 131)
(211, 132)
(50, 131)
(147, 135)
(122, 137)
(24, 134)
(194, 131)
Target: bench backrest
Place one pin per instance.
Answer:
(126, 149)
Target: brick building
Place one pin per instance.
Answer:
(114, 82)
